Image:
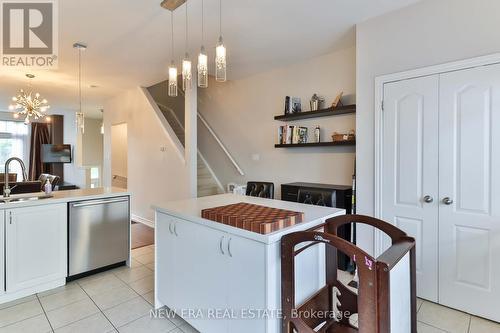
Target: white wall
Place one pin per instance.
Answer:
(242, 114)
(92, 143)
(119, 163)
(153, 176)
(427, 33)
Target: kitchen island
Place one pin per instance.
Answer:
(34, 239)
(220, 278)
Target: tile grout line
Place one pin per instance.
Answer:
(116, 329)
(44, 312)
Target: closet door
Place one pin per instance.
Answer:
(469, 182)
(410, 170)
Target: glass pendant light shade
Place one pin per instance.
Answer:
(220, 61)
(186, 73)
(203, 69)
(172, 80)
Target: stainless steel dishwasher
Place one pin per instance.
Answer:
(98, 234)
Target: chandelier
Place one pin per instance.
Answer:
(29, 104)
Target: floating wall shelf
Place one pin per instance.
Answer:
(346, 109)
(317, 144)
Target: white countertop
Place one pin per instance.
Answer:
(64, 196)
(190, 209)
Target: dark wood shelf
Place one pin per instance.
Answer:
(346, 109)
(317, 144)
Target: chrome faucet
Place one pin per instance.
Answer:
(6, 187)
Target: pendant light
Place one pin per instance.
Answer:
(186, 63)
(102, 123)
(172, 70)
(220, 52)
(202, 57)
(28, 104)
(80, 116)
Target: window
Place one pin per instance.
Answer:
(14, 142)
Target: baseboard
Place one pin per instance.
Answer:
(142, 220)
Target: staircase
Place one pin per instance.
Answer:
(207, 185)
(207, 182)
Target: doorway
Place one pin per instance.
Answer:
(119, 155)
(438, 178)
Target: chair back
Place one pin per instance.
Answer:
(260, 189)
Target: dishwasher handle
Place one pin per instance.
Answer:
(98, 202)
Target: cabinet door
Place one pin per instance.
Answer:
(165, 258)
(36, 245)
(201, 268)
(245, 278)
(2, 253)
(469, 186)
(410, 171)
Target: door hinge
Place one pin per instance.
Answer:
(382, 105)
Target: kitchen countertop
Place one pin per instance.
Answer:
(64, 196)
(190, 209)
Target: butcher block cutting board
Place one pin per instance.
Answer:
(256, 218)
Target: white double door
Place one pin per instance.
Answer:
(441, 182)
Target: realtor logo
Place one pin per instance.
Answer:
(29, 33)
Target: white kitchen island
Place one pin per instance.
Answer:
(223, 279)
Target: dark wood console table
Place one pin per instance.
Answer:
(341, 197)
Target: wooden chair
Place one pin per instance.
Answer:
(390, 277)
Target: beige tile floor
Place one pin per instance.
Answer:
(120, 301)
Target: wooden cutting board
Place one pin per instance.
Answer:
(256, 218)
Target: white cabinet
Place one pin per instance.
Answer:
(36, 246)
(215, 274)
(2, 253)
(165, 257)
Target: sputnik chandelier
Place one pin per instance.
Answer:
(28, 104)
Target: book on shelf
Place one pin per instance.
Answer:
(292, 134)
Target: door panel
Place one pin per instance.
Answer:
(201, 268)
(36, 245)
(165, 257)
(410, 170)
(469, 174)
(2, 253)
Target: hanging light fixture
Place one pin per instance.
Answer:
(202, 57)
(102, 123)
(220, 52)
(80, 116)
(186, 63)
(172, 70)
(28, 104)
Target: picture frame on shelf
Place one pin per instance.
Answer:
(296, 105)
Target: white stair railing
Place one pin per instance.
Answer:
(212, 132)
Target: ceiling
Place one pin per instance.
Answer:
(129, 42)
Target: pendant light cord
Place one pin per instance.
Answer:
(220, 17)
(172, 30)
(80, 78)
(202, 24)
(186, 26)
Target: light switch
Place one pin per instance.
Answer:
(256, 157)
(163, 149)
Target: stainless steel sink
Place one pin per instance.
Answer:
(24, 198)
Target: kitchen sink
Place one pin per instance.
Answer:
(24, 198)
